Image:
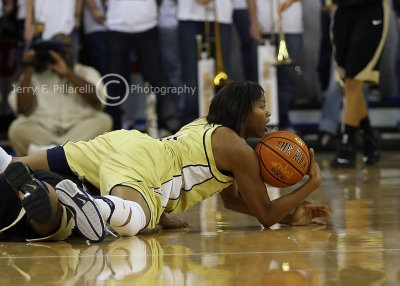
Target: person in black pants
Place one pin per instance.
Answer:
(135, 31)
(248, 45)
(359, 33)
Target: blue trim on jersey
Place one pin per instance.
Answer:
(208, 160)
(58, 161)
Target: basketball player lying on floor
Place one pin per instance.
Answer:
(142, 179)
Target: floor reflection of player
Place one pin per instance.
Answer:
(278, 257)
(144, 260)
(26, 265)
(362, 244)
(152, 260)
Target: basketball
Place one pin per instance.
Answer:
(283, 157)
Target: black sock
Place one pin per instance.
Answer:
(365, 125)
(349, 135)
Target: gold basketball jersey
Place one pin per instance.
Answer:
(172, 173)
(194, 172)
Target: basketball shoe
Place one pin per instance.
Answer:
(88, 220)
(33, 193)
(371, 148)
(346, 157)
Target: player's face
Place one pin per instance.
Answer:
(256, 124)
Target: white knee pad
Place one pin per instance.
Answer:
(126, 217)
(135, 222)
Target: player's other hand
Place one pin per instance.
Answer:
(171, 222)
(307, 213)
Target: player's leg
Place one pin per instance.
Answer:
(353, 105)
(356, 118)
(10, 208)
(377, 16)
(359, 113)
(87, 218)
(371, 144)
(41, 202)
(53, 159)
(126, 211)
(36, 161)
(358, 59)
(37, 198)
(342, 32)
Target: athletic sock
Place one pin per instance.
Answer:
(5, 160)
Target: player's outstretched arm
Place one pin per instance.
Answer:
(233, 154)
(306, 213)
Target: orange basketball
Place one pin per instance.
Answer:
(284, 159)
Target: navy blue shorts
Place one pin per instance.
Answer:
(359, 34)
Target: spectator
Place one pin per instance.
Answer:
(292, 26)
(331, 111)
(192, 15)
(325, 48)
(6, 7)
(95, 35)
(56, 102)
(248, 45)
(359, 33)
(396, 6)
(132, 26)
(21, 14)
(57, 17)
(170, 53)
(8, 46)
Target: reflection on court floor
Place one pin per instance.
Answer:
(359, 246)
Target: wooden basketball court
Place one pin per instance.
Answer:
(359, 246)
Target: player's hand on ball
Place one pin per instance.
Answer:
(314, 172)
(307, 213)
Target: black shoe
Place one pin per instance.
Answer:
(33, 194)
(88, 220)
(371, 148)
(326, 141)
(346, 157)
